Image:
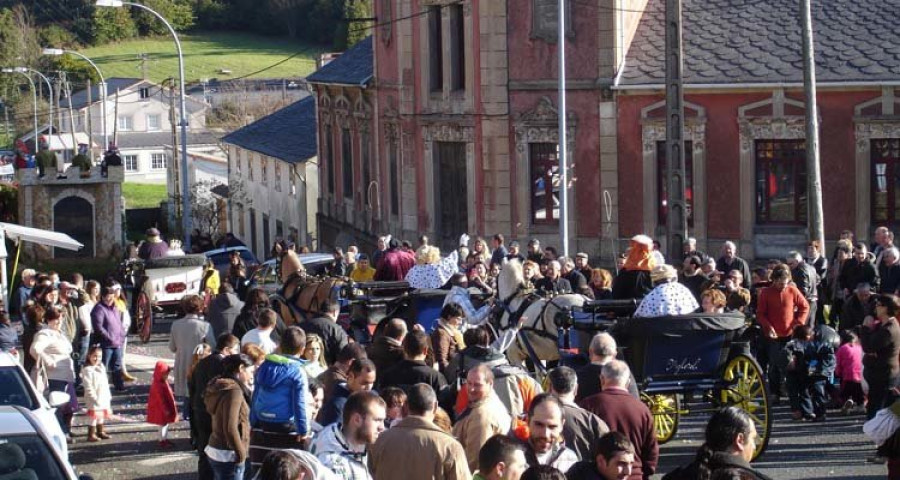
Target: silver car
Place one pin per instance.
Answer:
(16, 389)
(27, 449)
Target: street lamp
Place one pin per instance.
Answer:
(102, 88)
(185, 200)
(24, 72)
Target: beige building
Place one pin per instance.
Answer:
(274, 160)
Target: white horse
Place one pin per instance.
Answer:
(538, 327)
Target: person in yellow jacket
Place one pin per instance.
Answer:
(212, 282)
(363, 271)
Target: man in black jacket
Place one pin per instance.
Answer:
(611, 459)
(581, 428)
(387, 349)
(412, 369)
(201, 422)
(326, 327)
(553, 283)
(730, 444)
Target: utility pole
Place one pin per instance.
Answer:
(813, 173)
(676, 218)
(90, 124)
(71, 119)
(563, 138)
(173, 165)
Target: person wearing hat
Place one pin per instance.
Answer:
(514, 253)
(154, 246)
(668, 297)
(633, 279)
(583, 266)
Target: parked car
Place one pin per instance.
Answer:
(16, 389)
(20, 429)
(221, 256)
(266, 276)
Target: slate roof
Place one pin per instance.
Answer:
(760, 41)
(133, 140)
(288, 134)
(353, 67)
(79, 98)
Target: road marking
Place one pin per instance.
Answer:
(165, 459)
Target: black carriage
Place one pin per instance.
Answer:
(701, 357)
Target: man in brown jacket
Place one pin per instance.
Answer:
(416, 448)
(484, 417)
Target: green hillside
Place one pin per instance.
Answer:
(205, 55)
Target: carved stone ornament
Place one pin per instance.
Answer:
(342, 111)
(655, 131)
(545, 18)
(545, 113)
(442, 132)
(784, 128)
(866, 131)
(362, 113)
(325, 108)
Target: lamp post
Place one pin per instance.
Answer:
(34, 95)
(49, 92)
(102, 88)
(185, 200)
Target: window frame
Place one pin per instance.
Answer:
(347, 162)
(891, 172)
(798, 171)
(457, 47)
(125, 123)
(662, 182)
(126, 158)
(153, 161)
(394, 175)
(548, 194)
(150, 127)
(435, 49)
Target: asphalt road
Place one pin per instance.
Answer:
(835, 449)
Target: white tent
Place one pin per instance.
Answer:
(18, 234)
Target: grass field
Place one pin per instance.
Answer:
(143, 195)
(205, 54)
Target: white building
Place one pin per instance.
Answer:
(275, 161)
(138, 114)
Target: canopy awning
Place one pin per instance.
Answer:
(43, 237)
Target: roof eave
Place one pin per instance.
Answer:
(364, 84)
(761, 85)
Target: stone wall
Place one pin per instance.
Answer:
(39, 195)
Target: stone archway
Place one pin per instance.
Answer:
(74, 216)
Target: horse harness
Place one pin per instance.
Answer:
(513, 319)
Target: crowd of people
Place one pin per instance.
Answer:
(306, 401)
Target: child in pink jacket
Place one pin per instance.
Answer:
(849, 370)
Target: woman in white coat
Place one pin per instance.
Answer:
(52, 353)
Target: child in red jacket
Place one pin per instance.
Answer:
(161, 409)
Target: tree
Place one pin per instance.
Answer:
(209, 210)
(352, 29)
(178, 13)
(112, 24)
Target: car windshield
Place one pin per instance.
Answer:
(14, 389)
(40, 463)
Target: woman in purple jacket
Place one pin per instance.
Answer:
(106, 319)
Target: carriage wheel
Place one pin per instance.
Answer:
(665, 409)
(747, 391)
(144, 317)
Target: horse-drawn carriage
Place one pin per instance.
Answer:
(682, 364)
(158, 285)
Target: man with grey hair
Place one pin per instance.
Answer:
(730, 261)
(581, 428)
(689, 247)
(889, 271)
(577, 281)
(553, 283)
(806, 279)
(627, 415)
(602, 350)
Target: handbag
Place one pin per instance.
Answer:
(40, 380)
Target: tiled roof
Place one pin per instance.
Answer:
(144, 140)
(288, 134)
(760, 41)
(353, 67)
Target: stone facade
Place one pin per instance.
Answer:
(88, 209)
